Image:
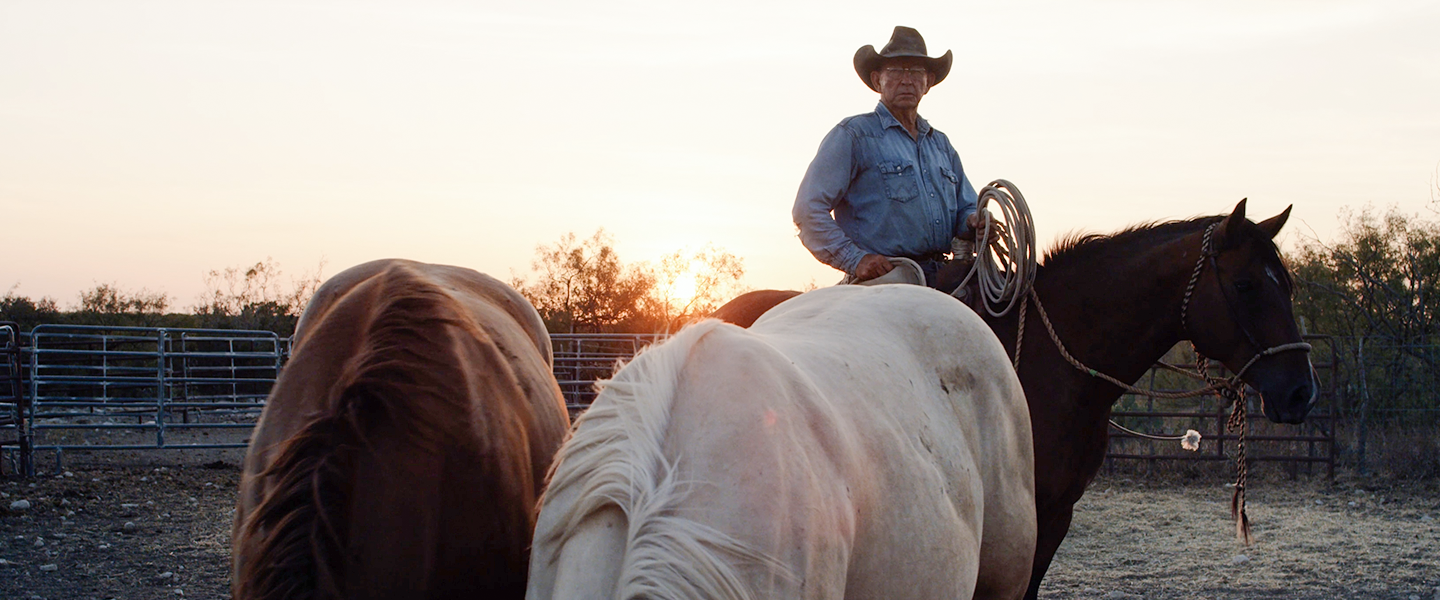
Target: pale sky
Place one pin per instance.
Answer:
(145, 143)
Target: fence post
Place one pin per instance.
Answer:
(27, 419)
(15, 366)
(160, 338)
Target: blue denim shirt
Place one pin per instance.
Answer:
(890, 194)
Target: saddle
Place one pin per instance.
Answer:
(905, 271)
(908, 271)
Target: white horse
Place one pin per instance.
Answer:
(854, 443)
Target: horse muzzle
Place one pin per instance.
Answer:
(1291, 402)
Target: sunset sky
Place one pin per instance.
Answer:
(145, 143)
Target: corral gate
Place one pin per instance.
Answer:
(581, 359)
(1308, 444)
(131, 388)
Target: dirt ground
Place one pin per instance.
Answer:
(1311, 540)
(101, 530)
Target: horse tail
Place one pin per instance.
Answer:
(401, 404)
(615, 460)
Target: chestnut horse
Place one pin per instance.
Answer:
(1116, 302)
(403, 448)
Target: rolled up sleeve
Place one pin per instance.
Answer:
(823, 188)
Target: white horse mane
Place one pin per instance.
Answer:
(616, 458)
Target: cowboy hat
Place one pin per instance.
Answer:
(905, 42)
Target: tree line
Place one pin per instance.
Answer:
(582, 286)
(1376, 290)
(1378, 279)
(254, 297)
(579, 285)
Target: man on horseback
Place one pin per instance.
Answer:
(885, 183)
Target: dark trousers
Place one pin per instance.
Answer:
(931, 268)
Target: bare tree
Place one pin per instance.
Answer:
(713, 277)
(256, 297)
(581, 285)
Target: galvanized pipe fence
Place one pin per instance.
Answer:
(1301, 446)
(66, 388)
(137, 388)
(581, 359)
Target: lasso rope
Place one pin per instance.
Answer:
(1005, 262)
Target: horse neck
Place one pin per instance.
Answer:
(1116, 313)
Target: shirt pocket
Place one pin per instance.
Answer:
(950, 176)
(949, 187)
(899, 180)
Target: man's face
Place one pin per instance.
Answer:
(902, 82)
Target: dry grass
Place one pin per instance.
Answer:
(1311, 540)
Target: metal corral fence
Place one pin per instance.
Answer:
(13, 403)
(131, 388)
(1301, 446)
(66, 388)
(1388, 402)
(581, 359)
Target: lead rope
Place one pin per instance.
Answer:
(1239, 420)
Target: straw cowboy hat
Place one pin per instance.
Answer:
(905, 42)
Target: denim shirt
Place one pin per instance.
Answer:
(890, 194)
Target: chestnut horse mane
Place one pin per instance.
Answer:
(404, 376)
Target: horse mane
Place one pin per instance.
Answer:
(1089, 247)
(402, 377)
(1078, 246)
(615, 458)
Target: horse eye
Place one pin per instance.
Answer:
(1244, 286)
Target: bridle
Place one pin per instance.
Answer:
(1232, 388)
(1208, 253)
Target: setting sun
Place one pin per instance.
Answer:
(681, 291)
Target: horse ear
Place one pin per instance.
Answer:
(1273, 224)
(1231, 224)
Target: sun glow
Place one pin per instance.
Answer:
(682, 291)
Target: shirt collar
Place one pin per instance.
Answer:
(889, 120)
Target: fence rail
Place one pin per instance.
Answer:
(131, 388)
(581, 359)
(1308, 444)
(115, 388)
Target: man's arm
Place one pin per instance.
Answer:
(825, 184)
(965, 195)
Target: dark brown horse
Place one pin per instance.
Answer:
(1116, 302)
(402, 451)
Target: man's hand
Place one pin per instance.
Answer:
(872, 266)
(997, 228)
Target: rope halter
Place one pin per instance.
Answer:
(1210, 254)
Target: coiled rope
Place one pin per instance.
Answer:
(1005, 262)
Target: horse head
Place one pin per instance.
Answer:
(1239, 312)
